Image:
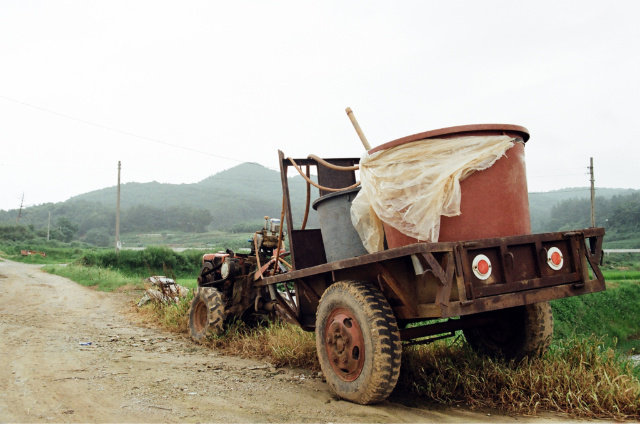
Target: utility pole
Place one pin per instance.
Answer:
(593, 196)
(48, 226)
(20, 211)
(118, 213)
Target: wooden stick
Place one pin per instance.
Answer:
(358, 129)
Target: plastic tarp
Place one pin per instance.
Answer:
(412, 185)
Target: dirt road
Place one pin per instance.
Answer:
(72, 354)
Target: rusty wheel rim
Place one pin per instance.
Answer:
(200, 316)
(344, 344)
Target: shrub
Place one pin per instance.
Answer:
(150, 261)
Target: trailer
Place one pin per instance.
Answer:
(365, 306)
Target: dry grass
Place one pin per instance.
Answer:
(280, 343)
(579, 377)
(173, 317)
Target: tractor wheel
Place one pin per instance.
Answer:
(206, 315)
(358, 342)
(514, 333)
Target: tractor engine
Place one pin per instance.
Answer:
(266, 240)
(232, 274)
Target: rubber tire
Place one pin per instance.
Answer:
(206, 315)
(523, 331)
(382, 343)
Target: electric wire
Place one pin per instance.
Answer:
(130, 134)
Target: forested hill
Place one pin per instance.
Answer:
(541, 204)
(237, 200)
(243, 194)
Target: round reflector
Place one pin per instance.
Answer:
(555, 259)
(481, 267)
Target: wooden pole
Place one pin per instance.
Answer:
(118, 213)
(363, 139)
(20, 211)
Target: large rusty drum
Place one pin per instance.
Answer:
(494, 201)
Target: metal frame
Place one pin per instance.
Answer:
(435, 280)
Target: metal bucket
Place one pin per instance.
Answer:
(340, 238)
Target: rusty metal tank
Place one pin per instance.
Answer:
(494, 201)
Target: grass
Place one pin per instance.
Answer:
(621, 262)
(621, 275)
(171, 316)
(631, 243)
(54, 255)
(282, 344)
(213, 240)
(101, 278)
(578, 377)
(154, 260)
(614, 314)
(188, 282)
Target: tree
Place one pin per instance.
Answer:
(98, 237)
(64, 230)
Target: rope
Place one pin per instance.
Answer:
(332, 166)
(310, 181)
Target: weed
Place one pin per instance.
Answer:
(280, 343)
(174, 316)
(579, 377)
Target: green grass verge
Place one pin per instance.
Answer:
(54, 255)
(188, 282)
(154, 260)
(621, 275)
(101, 278)
(631, 243)
(213, 240)
(613, 314)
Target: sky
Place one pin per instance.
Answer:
(181, 90)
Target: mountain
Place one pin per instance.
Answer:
(237, 199)
(245, 193)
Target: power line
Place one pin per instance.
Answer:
(73, 118)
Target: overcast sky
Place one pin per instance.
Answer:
(180, 90)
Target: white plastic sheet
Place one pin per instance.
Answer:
(412, 185)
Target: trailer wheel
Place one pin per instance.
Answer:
(358, 342)
(514, 333)
(206, 315)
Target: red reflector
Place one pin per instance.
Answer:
(483, 267)
(555, 259)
